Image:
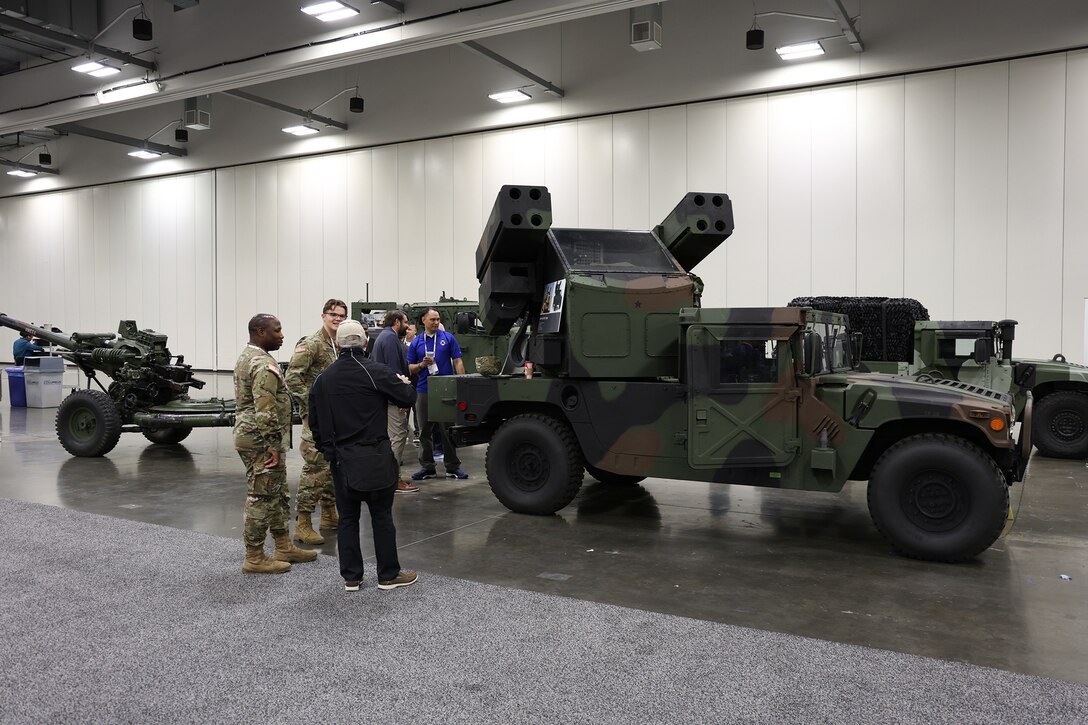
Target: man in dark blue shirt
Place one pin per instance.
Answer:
(435, 352)
(389, 349)
(24, 346)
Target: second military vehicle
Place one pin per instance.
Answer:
(629, 379)
(979, 353)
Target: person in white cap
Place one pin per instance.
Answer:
(348, 418)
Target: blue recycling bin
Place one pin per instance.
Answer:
(16, 387)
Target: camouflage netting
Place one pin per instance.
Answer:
(885, 323)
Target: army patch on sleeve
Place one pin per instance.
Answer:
(275, 370)
(300, 348)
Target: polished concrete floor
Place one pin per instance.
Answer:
(802, 563)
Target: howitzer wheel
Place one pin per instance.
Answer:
(166, 436)
(88, 423)
(534, 464)
(1060, 425)
(614, 479)
(938, 497)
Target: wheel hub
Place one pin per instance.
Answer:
(82, 424)
(934, 501)
(528, 467)
(1067, 425)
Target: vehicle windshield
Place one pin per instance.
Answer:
(604, 250)
(828, 345)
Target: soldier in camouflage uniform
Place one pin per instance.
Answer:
(262, 434)
(312, 355)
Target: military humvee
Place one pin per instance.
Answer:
(980, 353)
(630, 379)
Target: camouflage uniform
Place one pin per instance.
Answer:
(263, 421)
(312, 355)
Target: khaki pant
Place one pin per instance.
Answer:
(398, 433)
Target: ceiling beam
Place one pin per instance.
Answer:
(394, 5)
(523, 72)
(847, 25)
(72, 41)
(136, 143)
(301, 112)
(29, 167)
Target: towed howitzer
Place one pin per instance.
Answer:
(148, 389)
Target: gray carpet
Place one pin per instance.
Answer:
(105, 620)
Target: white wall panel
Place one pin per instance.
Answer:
(982, 123)
(166, 225)
(562, 170)
(631, 170)
(469, 215)
(263, 222)
(528, 147)
(834, 191)
(929, 194)
(747, 250)
(706, 137)
(290, 249)
(183, 336)
(789, 202)
(1036, 203)
(230, 324)
(334, 240)
(359, 257)
(384, 285)
(880, 187)
(595, 173)
(412, 230)
(312, 262)
(668, 160)
(436, 261)
(497, 167)
(203, 280)
(243, 234)
(1075, 253)
(147, 242)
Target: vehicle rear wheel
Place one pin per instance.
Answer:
(613, 479)
(534, 464)
(1060, 425)
(938, 497)
(88, 423)
(166, 436)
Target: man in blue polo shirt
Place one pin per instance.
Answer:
(435, 352)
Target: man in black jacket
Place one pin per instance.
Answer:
(349, 422)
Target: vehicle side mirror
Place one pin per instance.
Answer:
(982, 351)
(814, 353)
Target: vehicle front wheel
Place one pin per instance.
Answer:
(534, 464)
(1060, 425)
(166, 436)
(88, 423)
(938, 497)
(613, 479)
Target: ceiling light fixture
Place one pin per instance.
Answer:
(96, 68)
(24, 173)
(129, 91)
(512, 96)
(329, 11)
(800, 50)
(301, 129)
(44, 159)
(144, 154)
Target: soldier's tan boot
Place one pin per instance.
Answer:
(287, 551)
(257, 563)
(329, 517)
(304, 531)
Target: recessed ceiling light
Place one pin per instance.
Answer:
(302, 129)
(509, 96)
(25, 173)
(144, 154)
(800, 50)
(329, 11)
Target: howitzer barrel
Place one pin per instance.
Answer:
(55, 338)
(696, 226)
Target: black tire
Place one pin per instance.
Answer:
(166, 436)
(939, 498)
(534, 464)
(88, 423)
(613, 479)
(1059, 426)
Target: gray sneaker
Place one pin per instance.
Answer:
(352, 586)
(400, 580)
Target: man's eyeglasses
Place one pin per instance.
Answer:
(336, 315)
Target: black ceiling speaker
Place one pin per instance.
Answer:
(355, 104)
(141, 28)
(45, 158)
(181, 135)
(754, 39)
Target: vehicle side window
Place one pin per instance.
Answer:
(748, 361)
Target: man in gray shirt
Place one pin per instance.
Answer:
(389, 350)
